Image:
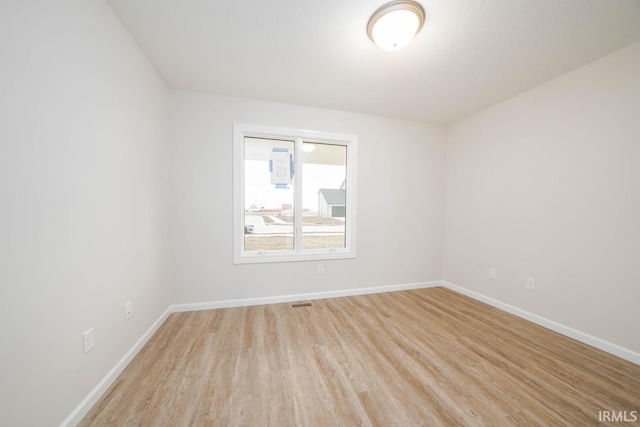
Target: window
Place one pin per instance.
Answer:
(294, 194)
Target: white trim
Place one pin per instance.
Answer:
(291, 256)
(238, 190)
(83, 408)
(245, 302)
(298, 179)
(94, 395)
(585, 338)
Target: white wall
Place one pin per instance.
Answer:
(547, 185)
(82, 202)
(400, 201)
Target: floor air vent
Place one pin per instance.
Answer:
(301, 304)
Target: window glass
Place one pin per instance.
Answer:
(324, 193)
(269, 188)
(294, 194)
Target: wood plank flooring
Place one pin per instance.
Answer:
(428, 357)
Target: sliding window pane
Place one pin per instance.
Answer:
(324, 196)
(268, 195)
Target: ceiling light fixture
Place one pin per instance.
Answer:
(394, 25)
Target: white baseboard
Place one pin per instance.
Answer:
(83, 408)
(176, 308)
(596, 342)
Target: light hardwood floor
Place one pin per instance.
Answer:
(426, 357)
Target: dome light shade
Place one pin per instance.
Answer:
(394, 25)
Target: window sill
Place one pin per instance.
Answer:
(293, 257)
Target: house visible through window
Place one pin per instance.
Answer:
(294, 194)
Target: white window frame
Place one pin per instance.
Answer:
(243, 130)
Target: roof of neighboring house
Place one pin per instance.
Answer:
(333, 196)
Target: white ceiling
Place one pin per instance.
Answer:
(469, 55)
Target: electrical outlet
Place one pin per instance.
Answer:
(320, 268)
(88, 341)
(531, 283)
(493, 273)
(127, 310)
